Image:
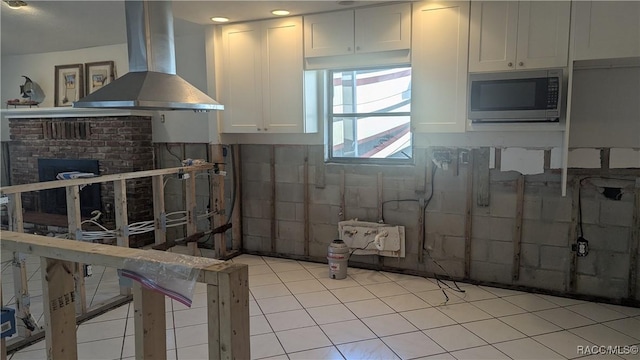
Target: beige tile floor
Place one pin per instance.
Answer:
(297, 312)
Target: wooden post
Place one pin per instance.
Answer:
(190, 205)
(573, 235)
(272, 172)
(468, 226)
(517, 232)
(343, 203)
(482, 164)
(149, 323)
(160, 232)
(74, 220)
(20, 281)
(3, 342)
(122, 219)
(379, 183)
(232, 315)
(216, 198)
(635, 242)
(59, 309)
(306, 200)
(236, 216)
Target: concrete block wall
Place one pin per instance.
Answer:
(548, 227)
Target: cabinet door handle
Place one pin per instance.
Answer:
(259, 129)
(357, 48)
(349, 48)
(510, 64)
(265, 129)
(520, 63)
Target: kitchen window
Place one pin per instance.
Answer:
(369, 115)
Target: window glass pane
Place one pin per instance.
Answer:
(375, 137)
(372, 91)
(370, 116)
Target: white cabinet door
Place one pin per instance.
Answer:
(493, 36)
(282, 71)
(263, 85)
(543, 34)
(606, 29)
(383, 28)
(508, 35)
(439, 66)
(242, 78)
(329, 34)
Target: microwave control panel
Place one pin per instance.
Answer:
(553, 87)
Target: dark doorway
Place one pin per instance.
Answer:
(54, 201)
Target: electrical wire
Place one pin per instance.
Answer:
(362, 248)
(166, 145)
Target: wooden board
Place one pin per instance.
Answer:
(306, 200)
(59, 309)
(468, 225)
(160, 229)
(97, 254)
(233, 310)
(74, 227)
(236, 216)
(635, 243)
(517, 231)
(272, 172)
(149, 322)
(190, 205)
(481, 162)
(216, 197)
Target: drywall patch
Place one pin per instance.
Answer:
(525, 161)
(584, 158)
(624, 158)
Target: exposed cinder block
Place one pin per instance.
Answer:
(290, 230)
(446, 182)
(324, 234)
(543, 279)
(289, 246)
(493, 228)
(556, 208)
(590, 211)
(588, 265)
(491, 272)
(285, 210)
(584, 158)
(287, 173)
(530, 255)
(618, 213)
(445, 224)
(256, 190)
(454, 202)
(613, 265)
(330, 195)
(289, 154)
(479, 249)
(361, 180)
(503, 204)
(452, 268)
(360, 213)
(361, 196)
(256, 227)
(398, 183)
(256, 153)
(320, 214)
(453, 247)
(545, 233)
(501, 252)
(532, 207)
(256, 243)
(596, 285)
(555, 258)
(290, 192)
(613, 238)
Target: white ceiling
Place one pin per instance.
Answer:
(46, 26)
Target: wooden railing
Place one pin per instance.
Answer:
(72, 189)
(227, 297)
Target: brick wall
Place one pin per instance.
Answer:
(120, 144)
(549, 226)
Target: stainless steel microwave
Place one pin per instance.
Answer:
(516, 96)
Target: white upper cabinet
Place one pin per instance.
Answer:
(263, 84)
(507, 35)
(374, 29)
(606, 29)
(439, 66)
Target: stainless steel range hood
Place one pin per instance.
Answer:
(152, 83)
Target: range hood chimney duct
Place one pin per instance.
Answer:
(151, 83)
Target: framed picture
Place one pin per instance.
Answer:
(69, 84)
(98, 74)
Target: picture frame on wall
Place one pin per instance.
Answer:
(98, 74)
(69, 84)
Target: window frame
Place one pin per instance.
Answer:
(331, 116)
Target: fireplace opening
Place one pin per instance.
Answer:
(54, 201)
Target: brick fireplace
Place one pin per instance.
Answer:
(119, 144)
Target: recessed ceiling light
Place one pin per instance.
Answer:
(219, 19)
(280, 12)
(15, 4)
